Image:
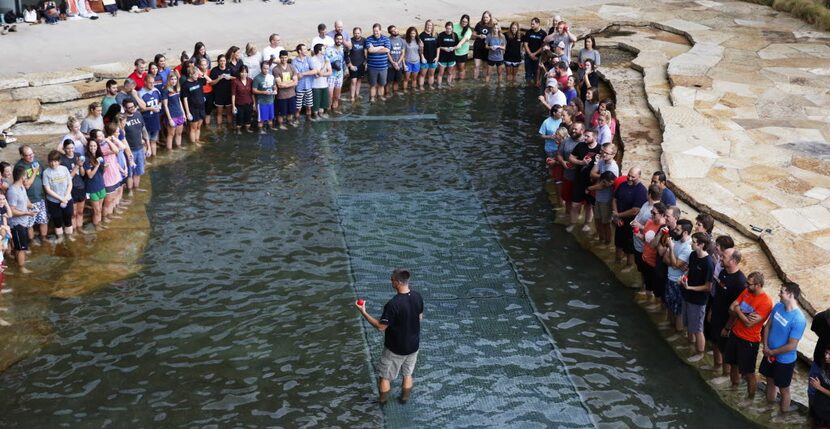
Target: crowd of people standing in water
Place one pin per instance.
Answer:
(692, 275)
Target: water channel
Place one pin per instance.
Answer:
(243, 314)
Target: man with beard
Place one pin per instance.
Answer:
(569, 172)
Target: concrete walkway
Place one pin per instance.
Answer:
(72, 44)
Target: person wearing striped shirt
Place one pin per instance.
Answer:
(377, 47)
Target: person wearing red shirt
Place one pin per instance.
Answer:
(139, 73)
(749, 312)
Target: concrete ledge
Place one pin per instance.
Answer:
(57, 77)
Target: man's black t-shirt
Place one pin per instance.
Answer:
(727, 288)
(402, 315)
(700, 272)
(581, 151)
(133, 131)
(534, 39)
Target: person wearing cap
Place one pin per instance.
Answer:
(562, 53)
(401, 327)
(562, 35)
(552, 95)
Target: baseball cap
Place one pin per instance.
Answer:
(561, 45)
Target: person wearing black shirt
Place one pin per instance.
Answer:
(480, 33)
(821, 326)
(447, 42)
(728, 286)
(401, 326)
(532, 43)
(513, 51)
(696, 292)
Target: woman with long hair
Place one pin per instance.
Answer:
(242, 99)
(429, 55)
(234, 60)
(512, 51)
(495, 57)
(447, 43)
(173, 111)
(480, 34)
(221, 78)
(199, 52)
(95, 178)
(203, 73)
(194, 104)
(252, 59)
(414, 52)
(462, 48)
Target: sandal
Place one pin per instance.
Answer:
(13, 28)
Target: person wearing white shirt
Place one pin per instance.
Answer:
(272, 51)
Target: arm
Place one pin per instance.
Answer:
(706, 287)
(738, 314)
(372, 321)
(634, 211)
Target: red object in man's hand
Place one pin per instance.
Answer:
(550, 161)
(636, 230)
(664, 230)
(360, 302)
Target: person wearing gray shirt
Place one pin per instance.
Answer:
(394, 74)
(57, 182)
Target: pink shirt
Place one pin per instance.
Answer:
(111, 173)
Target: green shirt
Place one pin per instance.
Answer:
(264, 82)
(35, 192)
(106, 102)
(465, 47)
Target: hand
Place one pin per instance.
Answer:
(754, 317)
(172, 123)
(766, 351)
(724, 332)
(815, 383)
(360, 308)
(189, 117)
(533, 57)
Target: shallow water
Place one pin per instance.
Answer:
(243, 314)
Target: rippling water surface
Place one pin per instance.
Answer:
(243, 317)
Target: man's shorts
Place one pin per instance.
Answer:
(742, 353)
(320, 99)
(265, 112)
(567, 190)
(394, 75)
(674, 298)
(781, 373)
(430, 65)
(335, 81)
(602, 212)
(42, 217)
(359, 72)
(20, 237)
(693, 316)
(304, 99)
(413, 67)
(138, 159)
(377, 77)
(391, 364)
(287, 106)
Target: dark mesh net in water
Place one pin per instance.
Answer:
(485, 359)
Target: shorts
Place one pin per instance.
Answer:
(578, 194)
(602, 212)
(113, 188)
(447, 64)
(514, 64)
(98, 196)
(154, 135)
(567, 190)
(648, 276)
(20, 237)
(335, 81)
(78, 195)
(480, 51)
(495, 63)
(391, 364)
(265, 112)
(303, 99)
(556, 172)
(222, 99)
(287, 106)
(674, 298)
(377, 77)
(60, 216)
(624, 237)
(198, 112)
(780, 373)
(460, 59)
(320, 99)
(178, 121)
(693, 316)
(430, 65)
(742, 353)
(551, 147)
(41, 217)
(138, 159)
(244, 114)
(413, 67)
(358, 72)
(394, 75)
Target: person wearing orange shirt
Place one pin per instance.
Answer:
(748, 313)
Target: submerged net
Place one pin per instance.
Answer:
(485, 359)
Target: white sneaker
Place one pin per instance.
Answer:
(695, 358)
(586, 228)
(570, 228)
(5, 291)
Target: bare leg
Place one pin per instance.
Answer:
(383, 388)
(406, 388)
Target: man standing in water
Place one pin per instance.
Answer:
(401, 325)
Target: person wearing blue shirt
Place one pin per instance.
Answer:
(666, 196)
(781, 335)
(150, 108)
(377, 47)
(306, 75)
(548, 130)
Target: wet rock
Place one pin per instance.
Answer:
(57, 77)
(47, 94)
